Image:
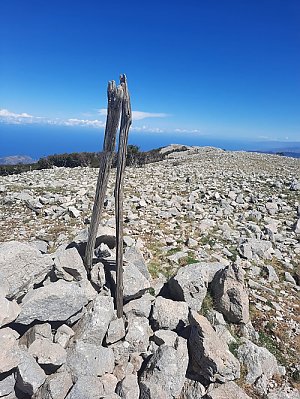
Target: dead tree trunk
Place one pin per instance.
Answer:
(115, 95)
(121, 163)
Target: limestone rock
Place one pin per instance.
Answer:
(63, 335)
(9, 310)
(209, 357)
(30, 376)
(260, 363)
(140, 306)
(7, 383)
(230, 295)
(90, 359)
(135, 256)
(93, 325)
(190, 283)
(192, 390)
(135, 284)
(56, 386)
(55, 302)
(128, 388)
(9, 351)
(22, 266)
(86, 387)
(166, 337)
(168, 314)
(38, 331)
(164, 375)
(138, 333)
(116, 331)
(69, 265)
(228, 390)
(50, 356)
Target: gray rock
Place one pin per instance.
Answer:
(30, 376)
(55, 302)
(230, 294)
(295, 185)
(94, 323)
(9, 350)
(135, 256)
(86, 387)
(105, 234)
(272, 275)
(22, 266)
(261, 365)
(297, 227)
(69, 265)
(210, 357)
(134, 283)
(7, 384)
(74, 212)
(168, 314)
(166, 337)
(190, 283)
(38, 331)
(140, 306)
(9, 310)
(284, 393)
(289, 278)
(63, 335)
(41, 245)
(56, 386)
(228, 390)
(251, 246)
(138, 333)
(192, 390)
(164, 375)
(116, 331)
(128, 388)
(90, 359)
(50, 356)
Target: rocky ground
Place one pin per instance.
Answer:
(218, 316)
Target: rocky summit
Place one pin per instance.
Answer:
(211, 281)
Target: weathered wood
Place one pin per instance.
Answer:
(126, 120)
(115, 95)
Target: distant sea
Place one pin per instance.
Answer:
(38, 141)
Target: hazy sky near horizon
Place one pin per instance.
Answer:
(221, 68)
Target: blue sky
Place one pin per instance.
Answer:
(213, 68)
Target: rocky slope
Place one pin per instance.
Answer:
(218, 315)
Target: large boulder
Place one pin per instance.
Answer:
(261, 365)
(29, 374)
(168, 314)
(56, 386)
(210, 358)
(128, 388)
(9, 349)
(192, 390)
(22, 266)
(135, 284)
(87, 387)
(226, 391)
(135, 256)
(138, 333)
(50, 356)
(231, 297)
(90, 359)
(164, 375)
(7, 384)
(191, 281)
(55, 302)
(93, 325)
(69, 265)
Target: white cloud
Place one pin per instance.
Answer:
(138, 115)
(7, 114)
